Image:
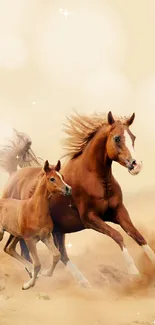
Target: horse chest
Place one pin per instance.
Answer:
(113, 202)
(103, 205)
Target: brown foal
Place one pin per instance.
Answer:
(30, 219)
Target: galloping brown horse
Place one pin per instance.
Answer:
(93, 144)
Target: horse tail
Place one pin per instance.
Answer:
(17, 152)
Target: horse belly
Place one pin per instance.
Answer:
(65, 215)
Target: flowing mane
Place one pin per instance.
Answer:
(17, 152)
(33, 188)
(81, 129)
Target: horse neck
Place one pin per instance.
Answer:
(96, 156)
(40, 198)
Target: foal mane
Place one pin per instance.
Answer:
(33, 188)
(81, 129)
(17, 152)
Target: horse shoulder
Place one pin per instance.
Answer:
(24, 216)
(114, 196)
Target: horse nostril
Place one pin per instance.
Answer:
(68, 190)
(134, 162)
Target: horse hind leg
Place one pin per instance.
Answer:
(10, 249)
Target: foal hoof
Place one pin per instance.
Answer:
(27, 285)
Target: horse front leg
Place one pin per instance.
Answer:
(49, 242)
(123, 219)
(93, 221)
(31, 244)
(59, 239)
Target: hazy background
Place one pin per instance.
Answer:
(55, 57)
(99, 57)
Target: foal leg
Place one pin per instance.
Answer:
(10, 249)
(78, 276)
(125, 222)
(31, 244)
(25, 251)
(49, 242)
(93, 221)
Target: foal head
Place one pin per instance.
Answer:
(120, 144)
(54, 180)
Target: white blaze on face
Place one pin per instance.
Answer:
(60, 176)
(129, 145)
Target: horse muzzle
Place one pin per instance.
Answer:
(68, 190)
(134, 167)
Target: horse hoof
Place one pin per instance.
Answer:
(27, 285)
(46, 273)
(133, 271)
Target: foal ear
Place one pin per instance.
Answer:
(110, 118)
(130, 120)
(58, 166)
(46, 167)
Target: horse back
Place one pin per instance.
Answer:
(20, 185)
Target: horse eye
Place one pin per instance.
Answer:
(117, 138)
(52, 179)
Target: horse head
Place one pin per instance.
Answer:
(120, 144)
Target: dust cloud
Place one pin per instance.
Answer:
(55, 57)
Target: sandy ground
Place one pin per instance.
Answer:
(113, 298)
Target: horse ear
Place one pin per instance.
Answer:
(46, 167)
(110, 118)
(130, 120)
(58, 166)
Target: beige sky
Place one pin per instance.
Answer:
(100, 57)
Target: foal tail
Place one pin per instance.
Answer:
(17, 152)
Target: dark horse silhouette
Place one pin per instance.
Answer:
(92, 145)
